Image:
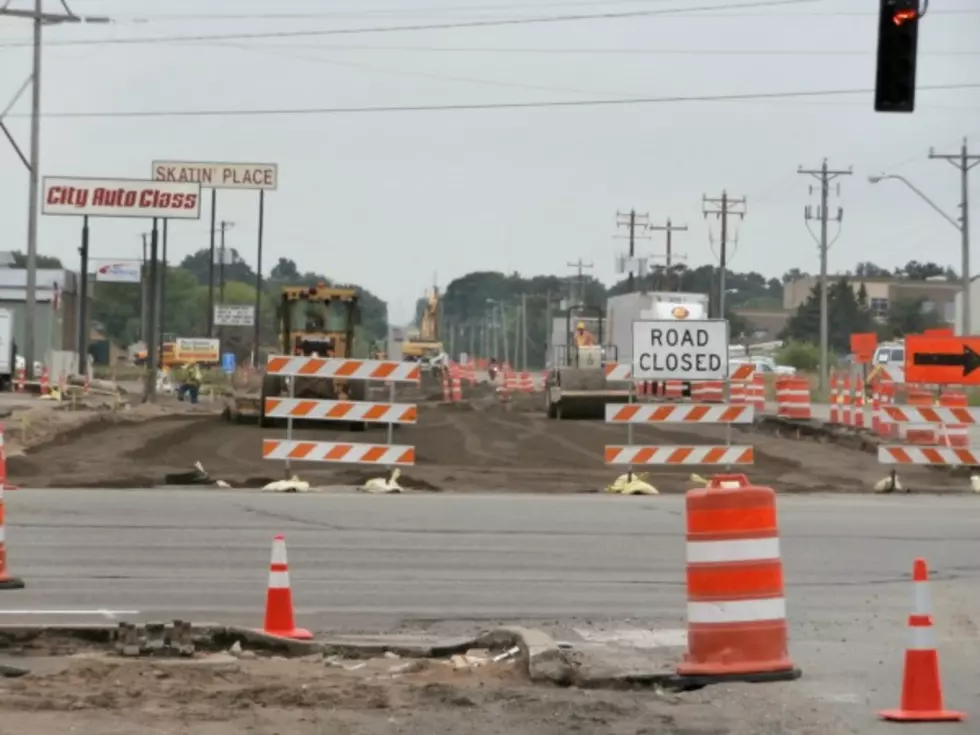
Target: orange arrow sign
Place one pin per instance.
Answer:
(945, 360)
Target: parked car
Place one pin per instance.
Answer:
(765, 365)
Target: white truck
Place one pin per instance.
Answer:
(7, 366)
(623, 310)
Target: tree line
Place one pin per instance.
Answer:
(116, 307)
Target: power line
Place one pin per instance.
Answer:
(488, 23)
(594, 51)
(467, 107)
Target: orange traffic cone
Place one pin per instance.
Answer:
(3, 465)
(7, 582)
(279, 599)
(922, 691)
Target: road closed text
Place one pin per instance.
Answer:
(121, 198)
(669, 349)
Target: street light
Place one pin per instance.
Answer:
(40, 19)
(960, 227)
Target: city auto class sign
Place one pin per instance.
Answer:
(120, 198)
(219, 175)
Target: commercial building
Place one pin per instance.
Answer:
(939, 296)
(974, 308)
(55, 329)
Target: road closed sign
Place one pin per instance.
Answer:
(668, 349)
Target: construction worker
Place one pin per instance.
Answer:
(191, 382)
(583, 337)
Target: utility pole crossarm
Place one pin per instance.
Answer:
(723, 207)
(669, 253)
(632, 221)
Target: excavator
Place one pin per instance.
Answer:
(315, 320)
(425, 343)
(576, 386)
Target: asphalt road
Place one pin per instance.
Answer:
(592, 567)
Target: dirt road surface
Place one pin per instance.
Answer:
(97, 696)
(479, 445)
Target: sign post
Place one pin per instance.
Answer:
(214, 175)
(130, 198)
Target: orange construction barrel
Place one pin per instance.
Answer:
(736, 606)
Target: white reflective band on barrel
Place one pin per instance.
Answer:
(709, 552)
(740, 611)
(922, 638)
(922, 599)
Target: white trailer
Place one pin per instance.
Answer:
(623, 310)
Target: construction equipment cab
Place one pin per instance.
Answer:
(317, 321)
(583, 337)
(576, 386)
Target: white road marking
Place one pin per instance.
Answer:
(108, 614)
(637, 637)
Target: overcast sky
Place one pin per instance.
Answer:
(390, 199)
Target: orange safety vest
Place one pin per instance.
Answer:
(584, 339)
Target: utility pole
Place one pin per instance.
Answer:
(145, 291)
(824, 175)
(524, 331)
(723, 207)
(39, 18)
(964, 162)
(631, 221)
(580, 267)
(670, 229)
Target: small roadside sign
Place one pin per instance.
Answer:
(228, 363)
(228, 315)
(668, 349)
(942, 360)
(863, 345)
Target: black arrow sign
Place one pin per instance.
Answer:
(968, 360)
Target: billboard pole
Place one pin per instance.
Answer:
(150, 391)
(162, 313)
(214, 211)
(258, 283)
(83, 306)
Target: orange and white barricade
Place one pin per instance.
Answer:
(290, 408)
(741, 384)
(736, 604)
(793, 398)
(955, 433)
(936, 456)
(920, 432)
(708, 391)
(645, 413)
(916, 451)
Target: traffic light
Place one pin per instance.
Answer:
(898, 38)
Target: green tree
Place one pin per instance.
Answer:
(43, 261)
(846, 315)
(909, 316)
